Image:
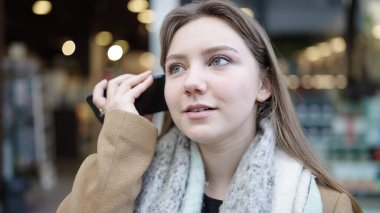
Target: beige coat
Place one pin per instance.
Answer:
(110, 180)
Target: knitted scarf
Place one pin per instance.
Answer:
(266, 180)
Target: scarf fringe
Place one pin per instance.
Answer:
(191, 203)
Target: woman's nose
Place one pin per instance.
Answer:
(195, 82)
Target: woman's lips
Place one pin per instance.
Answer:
(198, 111)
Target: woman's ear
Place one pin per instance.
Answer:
(265, 90)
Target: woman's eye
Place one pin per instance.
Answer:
(219, 61)
(175, 69)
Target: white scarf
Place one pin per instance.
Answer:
(266, 180)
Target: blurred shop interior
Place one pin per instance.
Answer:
(52, 53)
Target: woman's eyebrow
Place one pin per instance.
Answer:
(204, 52)
(218, 48)
(175, 57)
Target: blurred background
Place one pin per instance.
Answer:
(53, 52)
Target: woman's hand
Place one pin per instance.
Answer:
(122, 92)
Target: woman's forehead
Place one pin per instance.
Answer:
(206, 31)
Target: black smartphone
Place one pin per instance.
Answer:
(149, 102)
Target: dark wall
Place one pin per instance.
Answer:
(2, 51)
(2, 28)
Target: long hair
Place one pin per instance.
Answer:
(279, 107)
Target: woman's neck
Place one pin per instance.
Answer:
(221, 160)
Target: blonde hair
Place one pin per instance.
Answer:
(279, 108)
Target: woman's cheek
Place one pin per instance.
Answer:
(170, 95)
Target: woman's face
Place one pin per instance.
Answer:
(212, 82)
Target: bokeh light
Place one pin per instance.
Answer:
(103, 38)
(115, 52)
(42, 7)
(68, 48)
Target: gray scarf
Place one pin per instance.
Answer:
(170, 179)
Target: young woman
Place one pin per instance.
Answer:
(235, 146)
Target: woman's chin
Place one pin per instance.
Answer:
(203, 133)
(202, 137)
